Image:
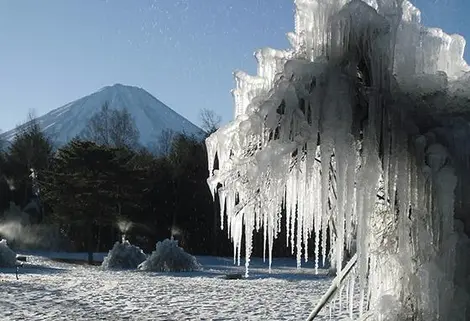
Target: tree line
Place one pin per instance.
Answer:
(103, 180)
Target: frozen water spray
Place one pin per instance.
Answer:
(351, 134)
(124, 227)
(30, 236)
(175, 232)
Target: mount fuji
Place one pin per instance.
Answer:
(151, 116)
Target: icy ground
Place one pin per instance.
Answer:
(51, 290)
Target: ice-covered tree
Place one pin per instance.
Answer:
(360, 131)
(169, 257)
(7, 256)
(124, 255)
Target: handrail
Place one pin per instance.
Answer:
(334, 287)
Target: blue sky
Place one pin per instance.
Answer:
(181, 51)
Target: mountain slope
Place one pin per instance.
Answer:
(151, 115)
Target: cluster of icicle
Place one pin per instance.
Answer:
(324, 134)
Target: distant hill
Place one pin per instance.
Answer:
(151, 116)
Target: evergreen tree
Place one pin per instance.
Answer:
(193, 211)
(5, 193)
(90, 186)
(30, 149)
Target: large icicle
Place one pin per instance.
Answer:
(360, 131)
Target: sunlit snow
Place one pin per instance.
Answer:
(50, 290)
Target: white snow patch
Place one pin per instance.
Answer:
(48, 290)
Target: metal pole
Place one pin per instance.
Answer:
(333, 288)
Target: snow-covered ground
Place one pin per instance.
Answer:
(51, 290)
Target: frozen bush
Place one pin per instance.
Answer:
(7, 256)
(169, 257)
(124, 256)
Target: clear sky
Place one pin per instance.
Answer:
(181, 51)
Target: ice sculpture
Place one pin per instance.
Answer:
(361, 130)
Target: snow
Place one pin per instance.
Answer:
(58, 255)
(358, 138)
(150, 115)
(49, 290)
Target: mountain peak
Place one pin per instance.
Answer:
(150, 115)
(118, 86)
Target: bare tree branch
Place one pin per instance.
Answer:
(113, 127)
(165, 142)
(210, 121)
(123, 131)
(97, 129)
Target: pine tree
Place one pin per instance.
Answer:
(30, 150)
(92, 186)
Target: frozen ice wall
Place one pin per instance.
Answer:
(357, 131)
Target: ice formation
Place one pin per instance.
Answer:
(7, 256)
(124, 255)
(360, 135)
(169, 257)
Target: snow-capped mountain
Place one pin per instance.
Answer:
(151, 116)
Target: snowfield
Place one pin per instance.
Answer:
(51, 290)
